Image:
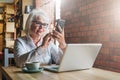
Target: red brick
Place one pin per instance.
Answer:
(105, 51)
(104, 38)
(101, 24)
(116, 58)
(84, 28)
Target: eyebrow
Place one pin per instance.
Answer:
(38, 22)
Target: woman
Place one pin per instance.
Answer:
(38, 43)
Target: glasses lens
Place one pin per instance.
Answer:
(43, 25)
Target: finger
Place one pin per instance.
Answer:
(45, 39)
(60, 29)
(57, 34)
(47, 35)
(63, 31)
(49, 39)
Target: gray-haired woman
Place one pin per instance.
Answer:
(37, 45)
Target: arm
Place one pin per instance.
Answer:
(23, 52)
(59, 36)
(56, 53)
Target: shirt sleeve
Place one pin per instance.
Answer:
(22, 54)
(19, 53)
(56, 53)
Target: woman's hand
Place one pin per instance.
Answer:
(60, 37)
(46, 40)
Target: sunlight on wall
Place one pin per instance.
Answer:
(115, 10)
(58, 4)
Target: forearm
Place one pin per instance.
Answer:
(32, 56)
(57, 55)
(63, 46)
(20, 60)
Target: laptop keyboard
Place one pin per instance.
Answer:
(52, 67)
(55, 67)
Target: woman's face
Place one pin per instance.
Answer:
(38, 27)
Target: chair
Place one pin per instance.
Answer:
(7, 57)
(1, 56)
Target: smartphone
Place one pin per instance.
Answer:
(61, 23)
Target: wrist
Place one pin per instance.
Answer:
(62, 46)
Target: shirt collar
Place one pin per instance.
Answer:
(30, 41)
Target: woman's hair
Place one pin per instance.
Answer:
(35, 13)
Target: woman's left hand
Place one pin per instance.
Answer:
(60, 37)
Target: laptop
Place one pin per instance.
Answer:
(77, 57)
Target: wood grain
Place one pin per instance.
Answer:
(14, 73)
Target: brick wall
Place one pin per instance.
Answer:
(95, 21)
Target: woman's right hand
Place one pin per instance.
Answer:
(46, 40)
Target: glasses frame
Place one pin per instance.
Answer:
(42, 25)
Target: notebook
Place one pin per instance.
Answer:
(77, 57)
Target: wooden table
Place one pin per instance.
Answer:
(14, 73)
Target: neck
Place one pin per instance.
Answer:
(36, 39)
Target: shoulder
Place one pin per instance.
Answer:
(21, 38)
(24, 41)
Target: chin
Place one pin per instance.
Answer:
(39, 34)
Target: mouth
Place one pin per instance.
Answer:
(39, 31)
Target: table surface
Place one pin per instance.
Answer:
(14, 73)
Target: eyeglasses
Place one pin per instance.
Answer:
(43, 25)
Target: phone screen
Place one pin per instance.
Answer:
(61, 23)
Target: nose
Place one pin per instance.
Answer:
(40, 27)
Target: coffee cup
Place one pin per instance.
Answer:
(32, 65)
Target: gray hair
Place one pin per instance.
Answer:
(33, 13)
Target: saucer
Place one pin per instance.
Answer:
(24, 69)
